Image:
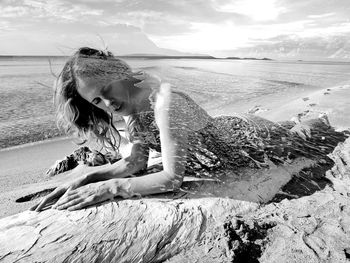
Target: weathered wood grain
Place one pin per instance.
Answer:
(197, 228)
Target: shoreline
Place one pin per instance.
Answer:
(44, 135)
(271, 110)
(18, 134)
(35, 143)
(25, 165)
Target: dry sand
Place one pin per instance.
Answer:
(27, 164)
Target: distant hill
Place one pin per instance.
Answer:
(318, 48)
(238, 58)
(158, 56)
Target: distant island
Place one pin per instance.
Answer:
(156, 56)
(238, 58)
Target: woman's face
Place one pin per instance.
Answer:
(112, 96)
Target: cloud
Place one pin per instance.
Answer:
(64, 39)
(34, 10)
(321, 15)
(157, 17)
(5, 26)
(191, 26)
(314, 9)
(13, 11)
(296, 47)
(207, 37)
(257, 10)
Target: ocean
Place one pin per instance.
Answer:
(220, 86)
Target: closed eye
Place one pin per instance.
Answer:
(96, 101)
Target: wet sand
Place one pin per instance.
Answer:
(27, 164)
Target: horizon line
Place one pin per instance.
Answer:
(155, 56)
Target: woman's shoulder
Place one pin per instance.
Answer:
(143, 130)
(183, 109)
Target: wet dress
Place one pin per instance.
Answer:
(224, 142)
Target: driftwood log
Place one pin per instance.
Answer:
(296, 212)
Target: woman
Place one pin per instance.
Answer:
(93, 86)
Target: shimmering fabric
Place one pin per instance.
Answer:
(221, 142)
(232, 142)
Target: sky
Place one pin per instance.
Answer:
(280, 29)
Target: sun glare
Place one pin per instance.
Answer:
(207, 37)
(255, 9)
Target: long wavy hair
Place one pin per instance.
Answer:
(78, 116)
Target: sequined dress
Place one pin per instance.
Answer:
(223, 142)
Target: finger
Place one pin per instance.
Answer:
(36, 205)
(33, 207)
(71, 191)
(50, 197)
(70, 204)
(82, 205)
(43, 203)
(65, 199)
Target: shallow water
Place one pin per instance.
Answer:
(220, 86)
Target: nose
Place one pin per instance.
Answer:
(107, 102)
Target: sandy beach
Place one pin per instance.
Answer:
(26, 164)
(332, 101)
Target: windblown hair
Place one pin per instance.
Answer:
(78, 116)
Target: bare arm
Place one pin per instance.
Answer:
(173, 137)
(136, 161)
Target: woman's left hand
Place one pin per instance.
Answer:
(84, 196)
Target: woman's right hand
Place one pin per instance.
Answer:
(53, 197)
